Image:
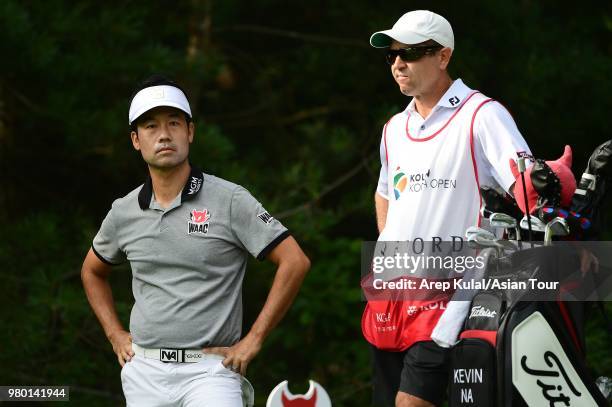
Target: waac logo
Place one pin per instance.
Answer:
(316, 396)
(198, 221)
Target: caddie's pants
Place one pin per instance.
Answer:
(207, 383)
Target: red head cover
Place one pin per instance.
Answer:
(563, 172)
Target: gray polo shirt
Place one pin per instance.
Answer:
(187, 260)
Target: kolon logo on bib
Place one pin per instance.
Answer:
(400, 182)
(198, 222)
(316, 396)
(418, 181)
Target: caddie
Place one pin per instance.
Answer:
(435, 155)
(187, 236)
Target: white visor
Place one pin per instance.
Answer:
(155, 96)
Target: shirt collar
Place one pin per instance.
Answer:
(455, 95)
(452, 98)
(190, 190)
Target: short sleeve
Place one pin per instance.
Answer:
(497, 140)
(253, 226)
(383, 188)
(105, 244)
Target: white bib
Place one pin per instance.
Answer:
(433, 181)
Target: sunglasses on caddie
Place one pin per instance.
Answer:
(410, 54)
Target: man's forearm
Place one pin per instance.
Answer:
(382, 206)
(286, 284)
(100, 297)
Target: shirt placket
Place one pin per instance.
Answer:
(417, 124)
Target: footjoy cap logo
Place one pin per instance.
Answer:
(316, 396)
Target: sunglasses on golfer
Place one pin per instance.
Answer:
(410, 54)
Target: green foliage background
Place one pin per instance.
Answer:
(289, 101)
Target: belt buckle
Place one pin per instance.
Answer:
(170, 355)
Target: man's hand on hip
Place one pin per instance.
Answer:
(122, 346)
(292, 266)
(238, 357)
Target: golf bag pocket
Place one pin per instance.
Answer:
(473, 377)
(484, 317)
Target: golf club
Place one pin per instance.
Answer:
(483, 238)
(533, 221)
(556, 227)
(505, 221)
(485, 234)
(522, 168)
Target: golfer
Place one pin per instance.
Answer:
(435, 155)
(187, 236)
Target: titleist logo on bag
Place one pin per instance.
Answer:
(542, 372)
(480, 311)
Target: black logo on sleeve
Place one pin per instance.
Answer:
(265, 217)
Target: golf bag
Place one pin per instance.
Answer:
(593, 184)
(517, 352)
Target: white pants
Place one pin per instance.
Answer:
(207, 383)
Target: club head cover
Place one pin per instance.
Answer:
(550, 183)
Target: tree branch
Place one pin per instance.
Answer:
(293, 35)
(326, 190)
